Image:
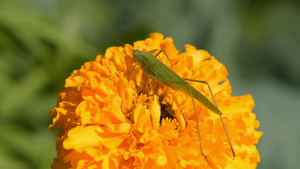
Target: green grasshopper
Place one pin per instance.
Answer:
(159, 72)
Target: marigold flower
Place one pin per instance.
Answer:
(109, 118)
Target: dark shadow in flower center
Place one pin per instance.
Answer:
(166, 112)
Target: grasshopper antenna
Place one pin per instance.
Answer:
(124, 48)
(118, 41)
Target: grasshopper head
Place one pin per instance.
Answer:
(138, 55)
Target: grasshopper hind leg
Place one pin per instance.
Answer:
(205, 82)
(196, 116)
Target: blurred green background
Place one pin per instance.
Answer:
(42, 42)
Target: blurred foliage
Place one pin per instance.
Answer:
(42, 42)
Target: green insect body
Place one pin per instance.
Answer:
(156, 70)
